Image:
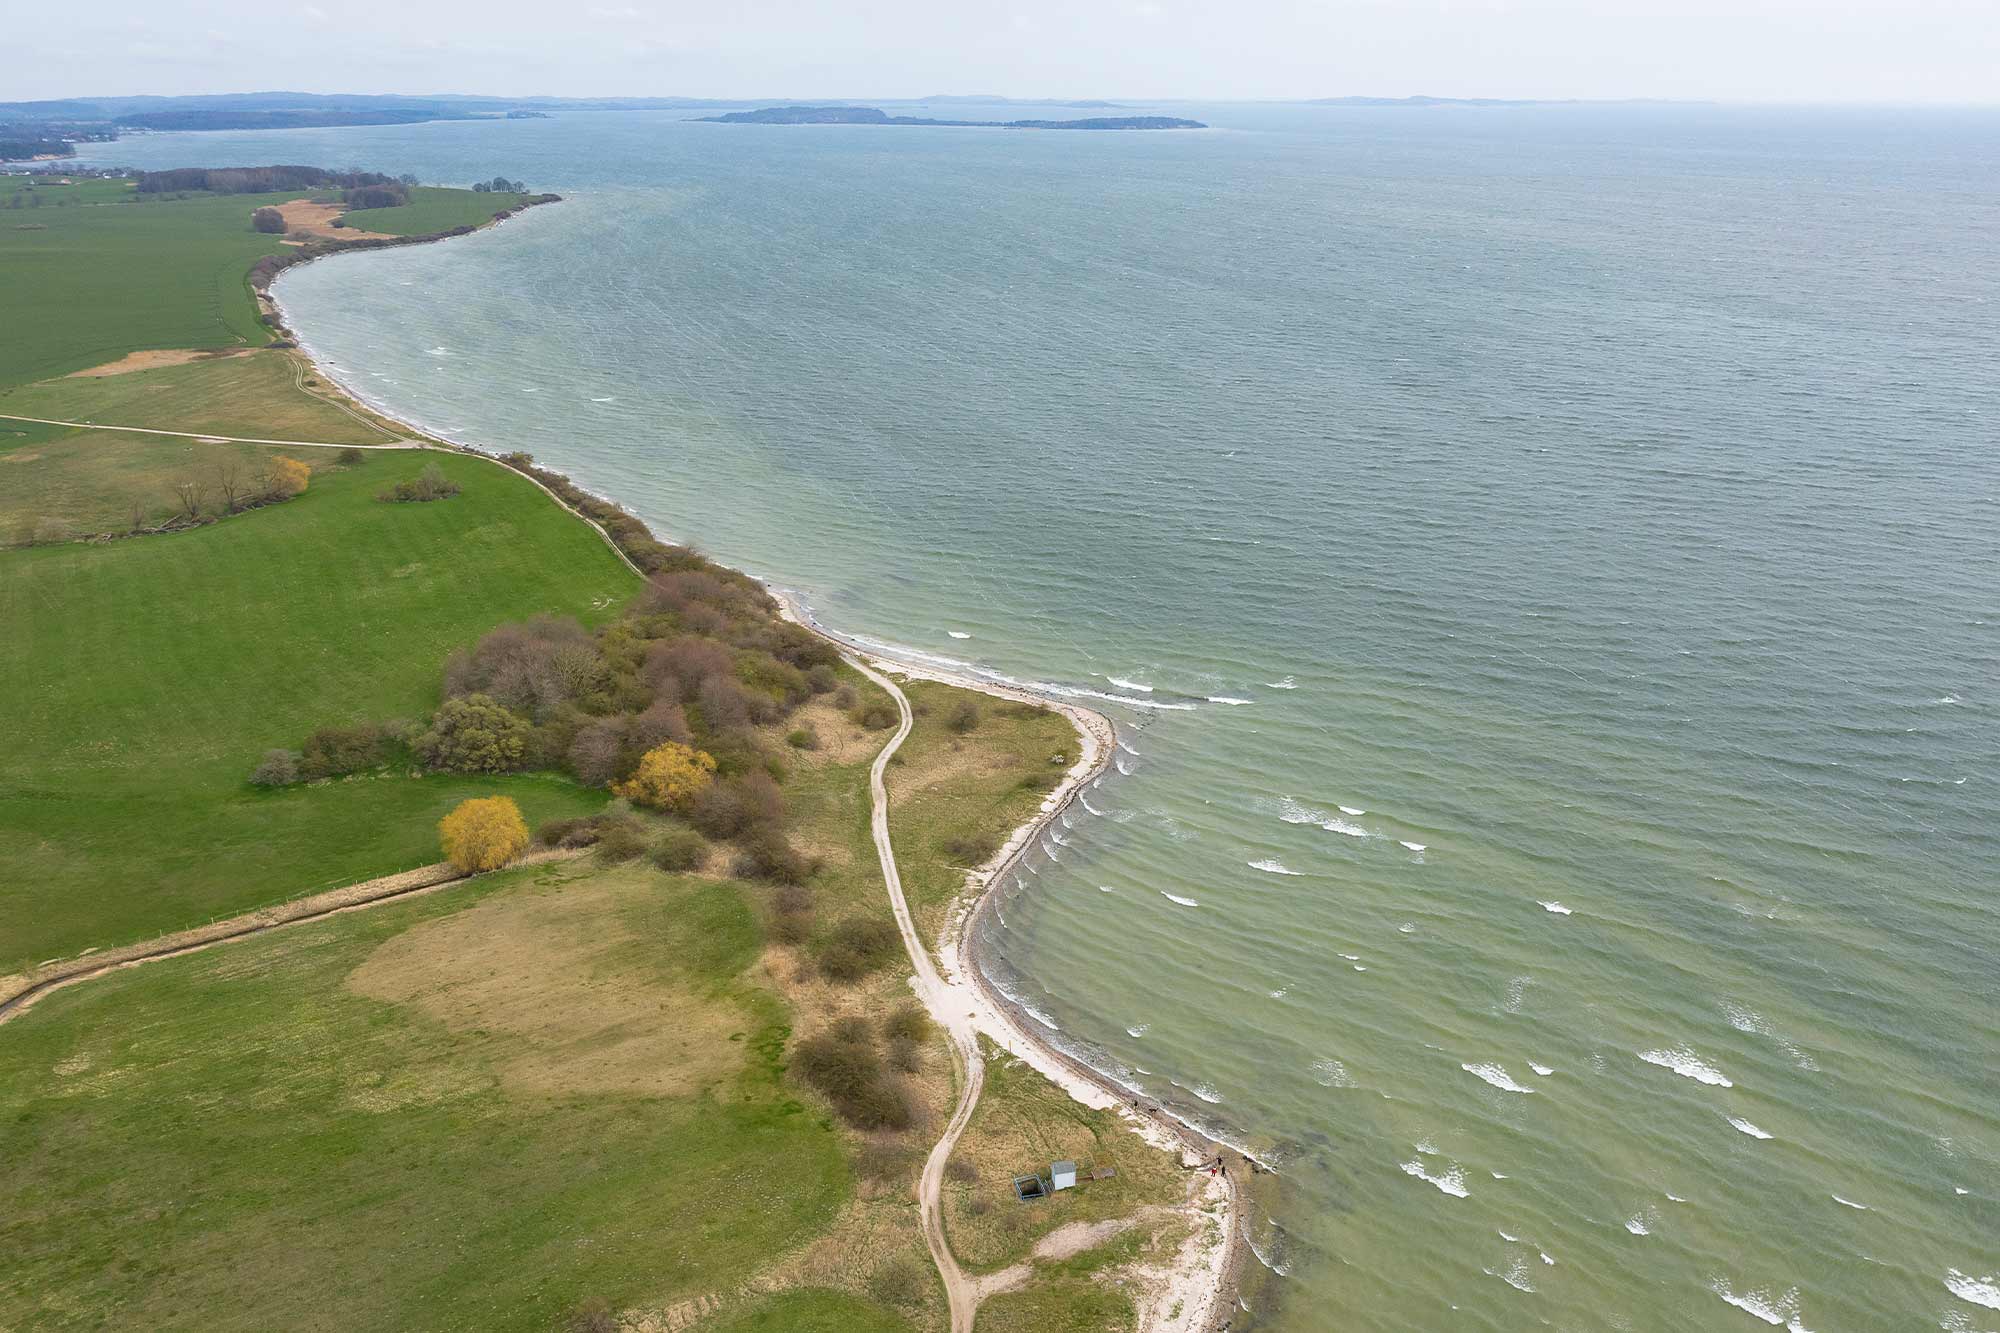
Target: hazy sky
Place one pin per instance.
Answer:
(1786, 50)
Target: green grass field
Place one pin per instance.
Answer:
(90, 282)
(146, 678)
(350, 1125)
(990, 780)
(253, 395)
(433, 209)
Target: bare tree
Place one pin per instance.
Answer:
(138, 515)
(229, 483)
(189, 494)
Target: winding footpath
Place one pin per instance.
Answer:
(963, 1292)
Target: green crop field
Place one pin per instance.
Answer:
(146, 678)
(89, 282)
(357, 1124)
(433, 209)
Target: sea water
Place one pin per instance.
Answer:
(1545, 566)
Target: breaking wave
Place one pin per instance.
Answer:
(1496, 1076)
(1274, 867)
(1688, 1065)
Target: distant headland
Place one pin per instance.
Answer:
(873, 115)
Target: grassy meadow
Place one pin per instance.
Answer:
(254, 395)
(432, 209)
(460, 1112)
(149, 676)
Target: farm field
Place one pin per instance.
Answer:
(150, 676)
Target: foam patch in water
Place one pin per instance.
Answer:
(1978, 1290)
(1557, 908)
(1450, 1181)
(1273, 867)
(1775, 1310)
(1176, 898)
(1496, 1076)
(1688, 1065)
(1745, 1127)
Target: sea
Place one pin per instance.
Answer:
(1544, 565)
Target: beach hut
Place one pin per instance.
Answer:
(1063, 1175)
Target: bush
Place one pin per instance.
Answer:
(669, 777)
(877, 714)
(857, 946)
(430, 484)
(802, 738)
(899, 1282)
(729, 807)
(593, 1316)
(907, 1022)
(962, 1170)
(963, 717)
(791, 914)
(821, 679)
(971, 849)
(844, 697)
(483, 834)
(680, 850)
(580, 832)
(333, 752)
(848, 1072)
(620, 840)
(351, 457)
(473, 735)
(283, 478)
(268, 220)
(280, 768)
(764, 853)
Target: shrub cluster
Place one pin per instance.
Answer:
(843, 1065)
(256, 180)
(429, 484)
(856, 946)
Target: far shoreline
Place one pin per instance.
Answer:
(1204, 1290)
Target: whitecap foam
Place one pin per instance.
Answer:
(1978, 1290)
(1745, 1019)
(604, 400)
(1350, 810)
(1688, 1065)
(1451, 1182)
(1331, 1073)
(531, 391)
(1775, 1310)
(1516, 1240)
(1280, 993)
(958, 634)
(1050, 852)
(1207, 1092)
(1122, 769)
(1084, 801)
(1226, 699)
(1106, 888)
(1274, 867)
(1545, 1257)
(1038, 1016)
(1124, 684)
(1639, 1224)
(1287, 683)
(1743, 1126)
(1496, 1076)
(1542, 1070)
(1555, 907)
(1849, 1203)
(1176, 898)
(1128, 749)
(1416, 846)
(1514, 1275)
(1138, 1029)
(1058, 838)
(1352, 957)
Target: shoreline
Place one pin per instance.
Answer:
(1196, 1291)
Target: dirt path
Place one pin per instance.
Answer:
(203, 435)
(19, 992)
(963, 1292)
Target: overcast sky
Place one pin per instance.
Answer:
(1756, 50)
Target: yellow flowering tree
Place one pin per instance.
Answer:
(668, 776)
(483, 834)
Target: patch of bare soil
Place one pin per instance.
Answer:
(545, 967)
(154, 360)
(311, 219)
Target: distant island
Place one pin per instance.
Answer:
(874, 115)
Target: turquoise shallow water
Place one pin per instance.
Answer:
(1548, 560)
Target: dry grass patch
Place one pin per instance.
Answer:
(305, 218)
(153, 360)
(545, 965)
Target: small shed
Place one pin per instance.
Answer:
(1063, 1175)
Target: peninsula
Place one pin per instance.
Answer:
(873, 115)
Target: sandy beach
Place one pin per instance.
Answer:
(1196, 1292)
